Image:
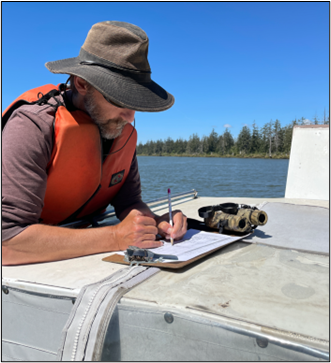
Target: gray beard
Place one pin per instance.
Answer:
(110, 128)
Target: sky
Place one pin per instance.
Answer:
(228, 64)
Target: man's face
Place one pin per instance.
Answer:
(109, 118)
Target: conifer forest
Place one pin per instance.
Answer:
(270, 141)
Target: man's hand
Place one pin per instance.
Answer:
(178, 230)
(136, 229)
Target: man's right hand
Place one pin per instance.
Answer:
(136, 230)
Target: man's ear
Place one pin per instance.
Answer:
(81, 85)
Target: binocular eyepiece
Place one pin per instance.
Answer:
(255, 216)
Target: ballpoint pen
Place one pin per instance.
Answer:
(170, 215)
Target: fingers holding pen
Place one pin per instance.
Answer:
(179, 228)
(140, 230)
(180, 225)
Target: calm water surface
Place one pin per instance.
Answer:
(219, 177)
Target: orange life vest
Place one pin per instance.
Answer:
(78, 182)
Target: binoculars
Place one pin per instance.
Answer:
(233, 217)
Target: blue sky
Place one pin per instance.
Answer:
(226, 63)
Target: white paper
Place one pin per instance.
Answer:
(194, 244)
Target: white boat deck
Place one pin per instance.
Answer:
(276, 289)
(73, 274)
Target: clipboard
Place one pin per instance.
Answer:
(116, 258)
(192, 223)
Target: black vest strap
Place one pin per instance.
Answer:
(13, 107)
(41, 101)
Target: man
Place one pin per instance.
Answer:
(68, 153)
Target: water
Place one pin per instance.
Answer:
(218, 177)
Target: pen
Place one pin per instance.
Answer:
(170, 215)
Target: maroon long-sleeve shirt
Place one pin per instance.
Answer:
(27, 143)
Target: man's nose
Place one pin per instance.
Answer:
(129, 115)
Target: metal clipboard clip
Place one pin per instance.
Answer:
(137, 256)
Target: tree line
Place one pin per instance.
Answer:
(271, 141)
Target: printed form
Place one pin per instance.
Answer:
(194, 243)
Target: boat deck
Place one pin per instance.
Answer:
(75, 273)
(250, 287)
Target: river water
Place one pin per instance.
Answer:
(218, 177)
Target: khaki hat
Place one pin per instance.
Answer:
(113, 60)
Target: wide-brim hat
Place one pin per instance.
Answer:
(113, 60)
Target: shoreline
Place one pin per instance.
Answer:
(257, 156)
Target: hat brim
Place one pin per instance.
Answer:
(123, 90)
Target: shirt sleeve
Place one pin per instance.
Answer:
(130, 193)
(26, 150)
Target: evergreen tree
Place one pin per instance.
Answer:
(180, 146)
(212, 142)
(168, 146)
(255, 139)
(194, 145)
(220, 145)
(205, 144)
(228, 141)
(281, 140)
(270, 136)
(158, 146)
(276, 134)
(151, 148)
(266, 138)
(139, 148)
(244, 140)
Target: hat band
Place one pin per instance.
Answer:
(88, 59)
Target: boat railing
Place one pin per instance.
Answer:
(111, 212)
